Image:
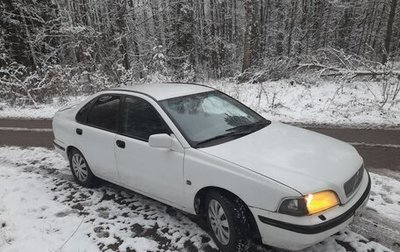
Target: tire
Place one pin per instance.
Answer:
(80, 169)
(230, 228)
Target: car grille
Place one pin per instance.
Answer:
(351, 185)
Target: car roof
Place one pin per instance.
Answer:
(162, 91)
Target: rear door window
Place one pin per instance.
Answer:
(81, 116)
(104, 113)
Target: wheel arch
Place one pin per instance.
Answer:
(70, 148)
(200, 208)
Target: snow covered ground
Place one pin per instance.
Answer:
(351, 104)
(42, 209)
(385, 197)
(40, 111)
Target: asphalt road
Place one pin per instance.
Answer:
(380, 148)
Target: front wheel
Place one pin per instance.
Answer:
(228, 222)
(80, 169)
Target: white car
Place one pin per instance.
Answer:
(205, 153)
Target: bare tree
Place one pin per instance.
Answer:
(251, 42)
(389, 30)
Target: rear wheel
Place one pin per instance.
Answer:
(228, 222)
(80, 169)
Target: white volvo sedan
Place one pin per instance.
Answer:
(201, 151)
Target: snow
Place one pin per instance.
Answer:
(41, 111)
(31, 220)
(347, 239)
(353, 104)
(385, 196)
(42, 209)
(324, 102)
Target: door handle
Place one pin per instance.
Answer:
(79, 131)
(121, 144)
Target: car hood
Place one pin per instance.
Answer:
(301, 159)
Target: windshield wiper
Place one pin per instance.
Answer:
(249, 127)
(236, 132)
(227, 135)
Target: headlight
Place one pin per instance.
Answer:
(310, 204)
(321, 201)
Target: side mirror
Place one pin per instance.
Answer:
(160, 141)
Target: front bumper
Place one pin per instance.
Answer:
(290, 233)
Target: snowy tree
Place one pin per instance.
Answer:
(197, 39)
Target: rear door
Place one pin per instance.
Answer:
(96, 134)
(153, 171)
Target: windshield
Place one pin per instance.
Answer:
(210, 118)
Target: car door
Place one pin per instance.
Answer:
(96, 132)
(154, 171)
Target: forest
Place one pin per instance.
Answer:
(58, 47)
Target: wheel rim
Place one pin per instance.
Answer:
(219, 222)
(79, 167)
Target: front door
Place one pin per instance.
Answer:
(156, 172)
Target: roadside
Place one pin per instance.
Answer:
(358, 104)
